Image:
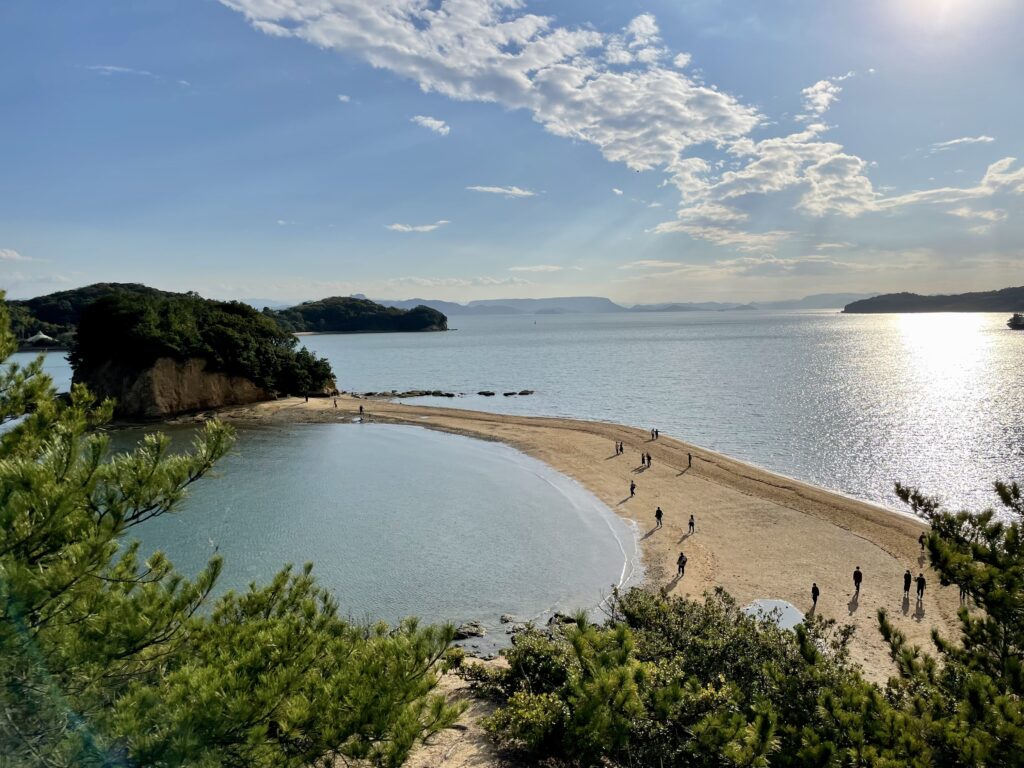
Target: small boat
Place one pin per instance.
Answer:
(1016, 322)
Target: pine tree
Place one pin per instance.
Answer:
(109, 659)
(969, 697)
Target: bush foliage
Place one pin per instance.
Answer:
(231, 336)
(339, 314)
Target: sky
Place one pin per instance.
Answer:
(666, 150)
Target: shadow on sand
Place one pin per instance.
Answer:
(905, 607)
(854, 603)
(919, 611)
(649, 533)
(684, 537)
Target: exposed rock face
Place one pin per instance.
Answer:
(169, 387)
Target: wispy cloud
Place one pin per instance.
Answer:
(418, 227)
(537, 268)
(651, 264)
(506, 191)
(944, 146)
(432, 124)
(109, 70)
(9, 254)
(616, 190)
(343, 98)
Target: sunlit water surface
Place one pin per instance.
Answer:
(849, 402)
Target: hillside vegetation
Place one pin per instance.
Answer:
(341, 314)
(233, 338)
(1005, 300)
(57, 314)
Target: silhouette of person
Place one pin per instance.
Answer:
(648, 461)
(658, 514)
(652, 434)
(922, 539)
(360, 410)
(689, 460)
(632, 489)
(920, 587)
(814, 594)
(657, 434)
(692, 525)
(858, 577)
(681, 564)
(907, 578)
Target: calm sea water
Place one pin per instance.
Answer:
(849, 402)
(399, 521)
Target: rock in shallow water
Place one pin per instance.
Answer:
(470, 629)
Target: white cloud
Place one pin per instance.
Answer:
(455, 282)
(616, 191)
(537, 268)
(506, 191)
(418, 227)
(651, 264)
(432, 123)
(1000, 177)
(944, 146)
(9, 254)
(108, 70)
(819, 97)
(344, 99)
(752, 242)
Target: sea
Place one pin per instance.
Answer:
(401, 520)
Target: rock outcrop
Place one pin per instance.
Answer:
(169, 387)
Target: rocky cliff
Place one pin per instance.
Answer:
(169, 387)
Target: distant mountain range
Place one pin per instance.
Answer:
(600, 305)
(1005, 300)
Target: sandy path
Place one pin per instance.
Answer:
(758, 534)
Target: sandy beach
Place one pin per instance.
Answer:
(758, 534)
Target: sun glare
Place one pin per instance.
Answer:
(943, 15)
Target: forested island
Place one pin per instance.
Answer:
(1005, 300)
(161, 354)
(344, 314)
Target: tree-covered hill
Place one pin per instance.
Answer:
(133, 331)
(342, 314)
(1005, 300)
(57, 314)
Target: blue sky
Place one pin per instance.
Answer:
(460, 149)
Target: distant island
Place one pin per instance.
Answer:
(1005, 300)
(339, 314)
(600, 305)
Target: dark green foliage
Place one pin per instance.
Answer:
(232, 337)
(970, 696)
(339, 314)
(1005, 300)
(57, 314)
(109, 659)
(677, 682)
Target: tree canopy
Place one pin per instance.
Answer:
(339, 314)
(110, 657)
(232, 337)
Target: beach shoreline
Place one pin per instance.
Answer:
(758, 534)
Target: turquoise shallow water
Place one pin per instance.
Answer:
(400, 521)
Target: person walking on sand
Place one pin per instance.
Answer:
(657, 434)
(907, 578)
(814, 595)
(652, 434)
(691, 526)
(920, 587)
(658, 514)
(632, 489)
(360, 410)
(922, 539)
(689, 460)
(335, 402)
(648, 460)
(858, 577)
(681, 565)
